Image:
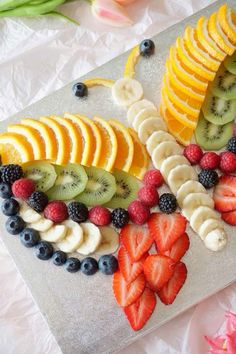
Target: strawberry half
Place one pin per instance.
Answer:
(140, 311)
(229, 217)
(166, 229)
(169, 292)
(125, 293)
(179, 248)
(130, 270)
(137, 240)
(158, 269)
(225, 194)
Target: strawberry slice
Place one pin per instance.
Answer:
(125, 293)
(130, 270)
(179, 248)
(229, 217)
(169, 292)
(166, 229)
(225, 194)
(137, 240)
(140, 311)
(158, 269)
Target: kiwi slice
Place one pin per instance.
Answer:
(42, 173)
(219, 111)
(230, 63)
(224, 85)
(71, 180)
(100, 188)
(213, 137)
(127, 188)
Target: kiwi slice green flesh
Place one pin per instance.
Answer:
(71, 180)
(224, 85)
(212, 137)
(126, 190)
(100, 188)
(219, 111)
(42, 173)
(230, 63)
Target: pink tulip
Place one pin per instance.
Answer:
(110, 12)
(125, 2)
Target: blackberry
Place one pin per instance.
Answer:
(119, 217)
(231, 146)
(78, 212)
(167, 203)
(38, 201)
(11, 173)
(208, 178)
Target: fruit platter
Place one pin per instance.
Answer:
(118, 192)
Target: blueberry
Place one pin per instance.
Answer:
(5, 190)
(80, 89)
(72, 264)
(29, 237)
(59, 258)
(44, 250)
(108, 264)
(89, 266)
(14, 225)
(10, 207)
(147, 47)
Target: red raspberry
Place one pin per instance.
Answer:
(153, 178)
(100, 216)
(138, 212)
(23, 188)
(56, 211)
(210, 161)
(193, 153)
(228, 162)
(148, 196)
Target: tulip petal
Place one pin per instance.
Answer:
(231, 343)
(110, 12)
(230, 322)
(216, 342)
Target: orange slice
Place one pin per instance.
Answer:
(47, 135)
(75, 139)
(140, 161)
(63, 141)
(131, 62)
(184, 74)
(197, 52)
(84, 137)
(224, 16)
(218, 35)
(125, 146)
(207, 42)
(192, 64)
(109, 144)
(14, 148)
(179, 85)
(33, 137)
(98, 81)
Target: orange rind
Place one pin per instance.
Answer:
(141, 159)
(14, 148)
(226, 20)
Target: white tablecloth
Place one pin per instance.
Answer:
(38, 56)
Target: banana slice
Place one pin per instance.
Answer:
(136, 107)
(148, 126)
(28, 214)
(54, 234)
(187, 188)
(208, 226)
(156, 138)
(164, 150)
(110, 241)
(92, 239)
(73, 238)
(180, 175)
(144, 114)
(126, 91)
(42, 224)
(201, 214)
(216, 240)
(171, 162)
(193, 201)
